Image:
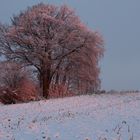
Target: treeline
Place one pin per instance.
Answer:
(48, 52)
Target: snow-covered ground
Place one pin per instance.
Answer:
(91, 117)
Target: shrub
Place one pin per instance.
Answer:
(27, 91)
(59, 91)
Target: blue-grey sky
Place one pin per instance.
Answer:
(119, 23)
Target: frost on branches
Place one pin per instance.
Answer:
(53, 40)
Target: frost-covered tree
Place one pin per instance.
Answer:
(15, 84)
(59, 46)
(11, 74)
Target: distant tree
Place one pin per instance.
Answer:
(59, 46)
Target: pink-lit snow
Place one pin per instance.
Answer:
(90, 117)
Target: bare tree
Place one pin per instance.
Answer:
(11, 74)
(56, 43)
(15, 84)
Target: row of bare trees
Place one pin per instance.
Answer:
(57, 46)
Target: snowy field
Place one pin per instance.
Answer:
(93, 117)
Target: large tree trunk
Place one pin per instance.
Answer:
(45, 85)
(46, 80)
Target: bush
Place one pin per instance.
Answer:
(59, 91)
(27, 91)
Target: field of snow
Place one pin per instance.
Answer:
(90, 117)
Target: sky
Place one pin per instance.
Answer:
(118, 21)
